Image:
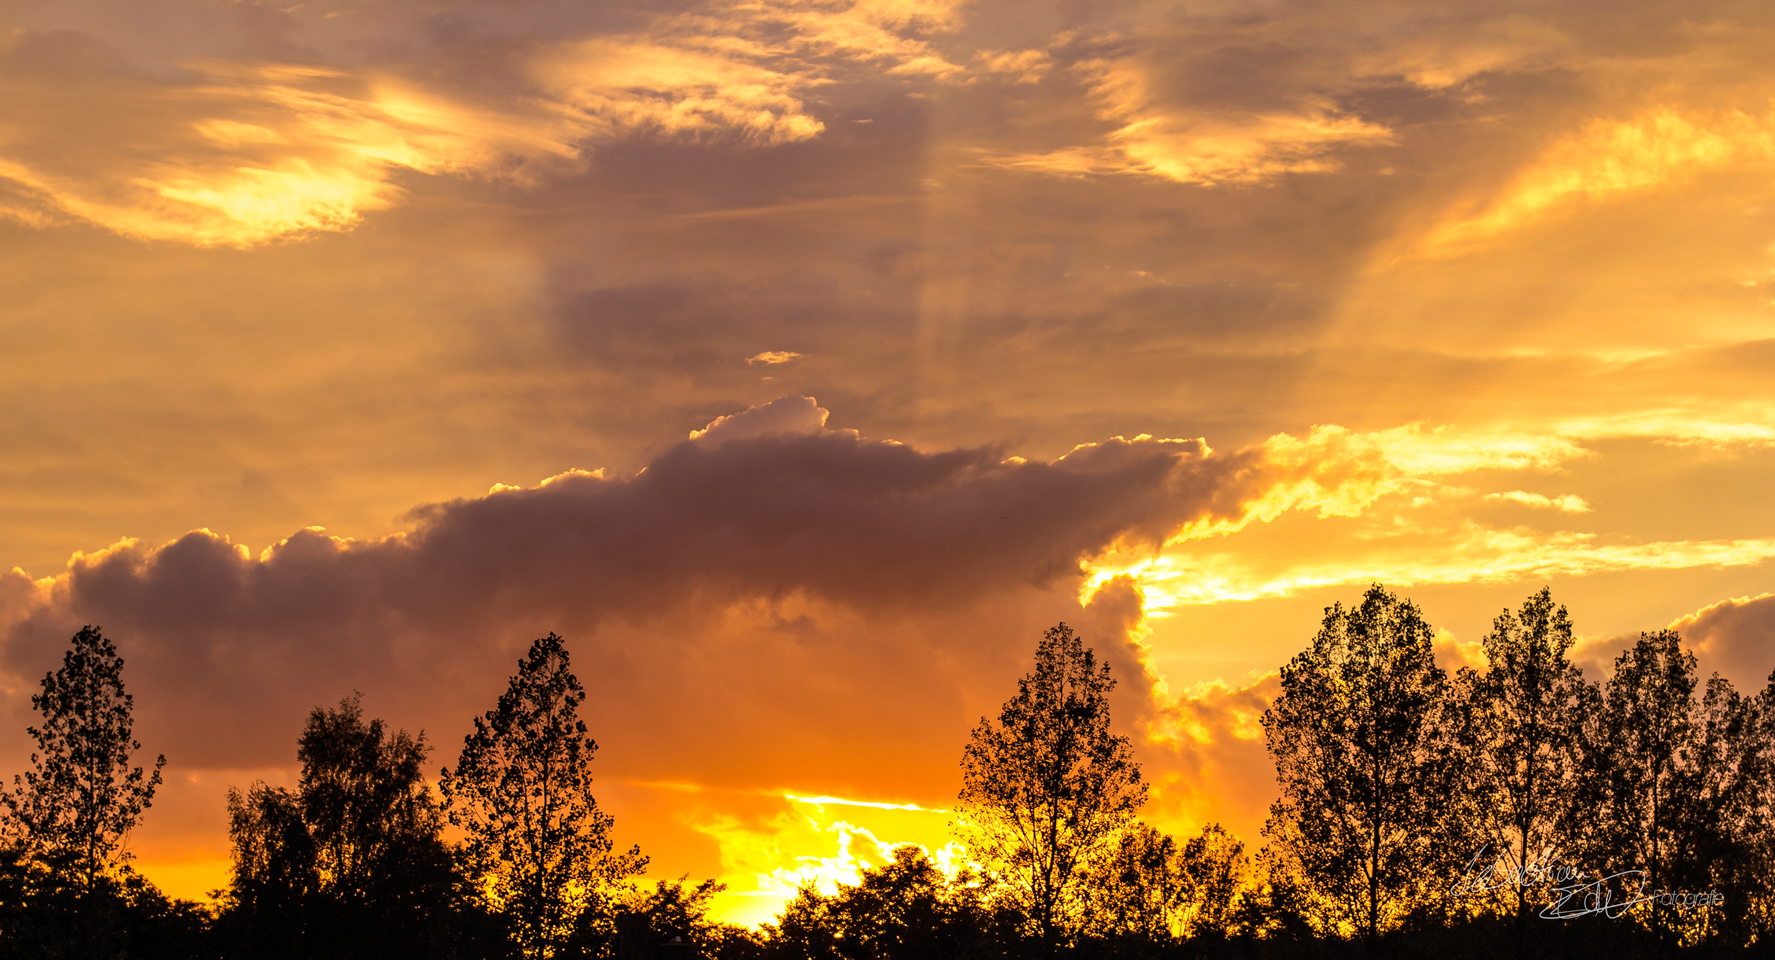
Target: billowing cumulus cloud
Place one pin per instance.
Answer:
(789, 415)
(766, 503)
(769, 604)
(767, 529)
(1735, 637)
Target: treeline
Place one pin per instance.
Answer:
(1515, 809)
(353, 862)
(1519, 804)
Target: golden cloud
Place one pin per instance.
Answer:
(864, 30)
(248, 152)
(273, 151)
(1437, 56)
(624, 85)
(1157, 136)
(1566, 503)
(254, 152)
(1662, 147)
(1469, 553)
(1378, 479)
(1753, 427)
(1022, 66)
(773, 357)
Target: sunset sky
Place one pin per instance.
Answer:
(801, 361)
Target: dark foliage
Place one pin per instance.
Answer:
(522, 792)
(904, 910)
(351, 864)
(1363, 760)
(1048, 788)
(1420, 817)
(66, 889)
(81, 798)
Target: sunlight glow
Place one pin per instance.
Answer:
(1473, 554)
(1333, 472)
(1662, 147)
(823, 801)
(766, 862)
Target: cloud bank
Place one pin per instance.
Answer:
(769, 607)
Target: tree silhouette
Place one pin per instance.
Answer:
(1755, 913)
(806, 928)
(1048, 786)
(1647, 777)
(1217, 868)
(363, 795)
(1363, 768)
(905, 909)
(274, 878)
(1521, 750)
(1728, 829)
(351, 864)
(1150, 892)
(1139, 890)
(522, 792)
(671, 920)
(79, 803)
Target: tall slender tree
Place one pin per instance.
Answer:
(1649, 773)
(522, 792)
(1521, 750)
(1730, 817)
(1648, 717)
(81, 798)
(1756, 916)
(1048, 787)
(1363, 765)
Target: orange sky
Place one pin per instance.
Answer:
(352, 345)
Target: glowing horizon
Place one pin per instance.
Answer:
(801, 362)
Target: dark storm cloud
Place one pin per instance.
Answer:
(223, 640)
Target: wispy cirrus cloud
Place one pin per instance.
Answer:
(230, 153)
(1565, 503)
(238, 153)
(1155, 134)
(1662, 147)
(1468, 553)
(1406, 523)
